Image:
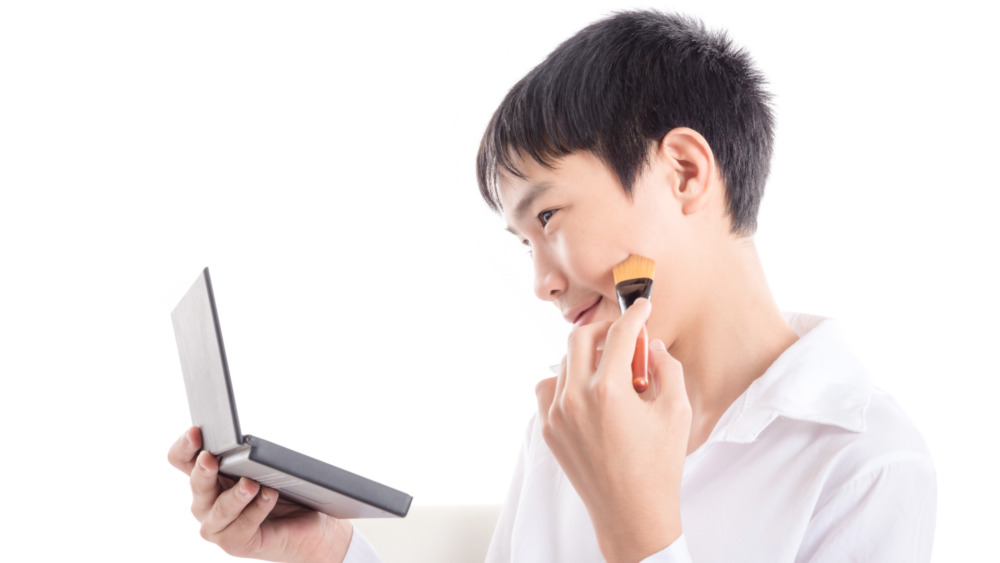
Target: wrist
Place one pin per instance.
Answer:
(332, 544)
(630, 542)
(342, 532)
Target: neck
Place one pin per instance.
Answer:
(734, 332)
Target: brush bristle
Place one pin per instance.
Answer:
(634, 267)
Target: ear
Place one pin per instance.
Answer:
(690, 158)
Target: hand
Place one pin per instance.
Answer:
(623, 452)
(247, 520)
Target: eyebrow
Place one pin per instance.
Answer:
(534, 191)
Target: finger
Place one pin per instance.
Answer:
(560, 379)
(244, 528)
(581, 349)
(545, 391)
(242, 534)
(184, 451)
(598, 352)
(204, 485)
(667, 376)
(621, 341)
(228, 507)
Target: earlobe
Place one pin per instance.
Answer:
(692, 165)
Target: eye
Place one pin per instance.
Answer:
(545, 216)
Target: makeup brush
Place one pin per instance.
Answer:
(634, 279)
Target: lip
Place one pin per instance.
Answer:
(580, 316)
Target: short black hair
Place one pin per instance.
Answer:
(619, 86)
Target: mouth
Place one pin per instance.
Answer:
(582, 316)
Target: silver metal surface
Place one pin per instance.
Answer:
(213, 409)
(206, 376)
(297, 490)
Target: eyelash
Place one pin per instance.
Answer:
(545, 216)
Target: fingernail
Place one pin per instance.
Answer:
(265, 494)
(657, 344)
(241, 488)
(190, 441)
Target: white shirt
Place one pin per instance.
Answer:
(810, 463)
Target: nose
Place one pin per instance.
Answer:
(549, 279)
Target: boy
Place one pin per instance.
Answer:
(760, 438)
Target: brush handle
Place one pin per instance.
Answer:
(628, 291)
(640, 362)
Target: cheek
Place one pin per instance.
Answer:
(593, 261)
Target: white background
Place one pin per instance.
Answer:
(321, 160)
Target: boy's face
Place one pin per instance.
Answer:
(579, 224)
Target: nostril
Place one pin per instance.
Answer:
(549, 281)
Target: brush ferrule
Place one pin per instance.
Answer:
(630, 290)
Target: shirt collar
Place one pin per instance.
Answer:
(817, 379)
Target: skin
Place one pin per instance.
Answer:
(247, 520)
(713, 311)
(714, 328)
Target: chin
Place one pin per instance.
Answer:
(607, 312)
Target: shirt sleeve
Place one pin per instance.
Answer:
(360, 551)
(885, 514)
(676, 552)
(500, 546)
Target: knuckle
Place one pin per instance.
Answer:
(198, 467)
(198, 484)
(567, 408)
(177, 460)
(619, 328)
(603, 391)
(540, 387)
(680, 409)
(545, 386)
(574, 409)
(224, 509)
(554, 432)
(548, 433)
(585, 334)
(575, 337)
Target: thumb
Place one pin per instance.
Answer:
(667, 376)
(545, 392)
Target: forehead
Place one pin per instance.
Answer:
(533, 177)
(578, 172)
